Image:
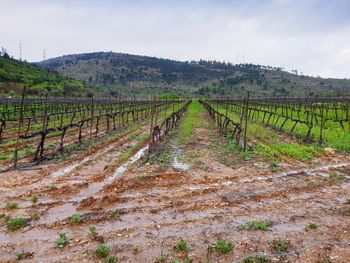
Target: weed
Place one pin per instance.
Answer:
(143, 177)
(246, 156)
(92, 231)
(280, 245)
(188, 259)
(34, 199)
(53, 187)
(23, 255)
(35, 216)
(15, 223)
(62, 240)
(102, 251)
(76, 218)
(181, 245)
(256, 225)
(335, 177)
(162, 259)
(222, 247)
(347, 201)
(111, 259)
(310, 226)
(273, 166)
(255, 259)
(11, 205)
(115, 213)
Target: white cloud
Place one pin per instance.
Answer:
(311, 36)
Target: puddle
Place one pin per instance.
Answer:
(123, 168)
(70, 168)
(179, 166)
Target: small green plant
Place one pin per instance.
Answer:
(34, 199)
(111, 259)
(143, 177)
(336, 177)
(62, 240)
(15, 223)
(222, 247)
(92, 231)
(102, 251)
(35, 216)
(188, 259)
(347, 201)
(162, 258)
(280, 245)
(256, 225)
(255, 259)
(23, 255)
(53, 187)
(246, 156)
(11, 205)
(76, 219)
(310, 226)
(273, 166)
(181, 245)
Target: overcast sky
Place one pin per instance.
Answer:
(312, 36)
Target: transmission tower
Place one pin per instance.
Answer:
(20, 50)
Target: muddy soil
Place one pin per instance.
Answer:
(141, 208)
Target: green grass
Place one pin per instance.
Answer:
(255, 259)
(76, 219)
(181, 246)
(62, 240)
(102, 251)
(222, 247)
(311, 226)
(188, 259)
(14, 224)
(256, 225)
(11, 205)
(34, 199)
(190, 120)
(35, 216)
(336, 177)
(110, 259)
(23, 255)
(280, 245)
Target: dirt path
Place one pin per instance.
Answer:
(196, 190)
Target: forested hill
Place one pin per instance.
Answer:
(118, 73)
(14, 74)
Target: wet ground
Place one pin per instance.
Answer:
(141, 208)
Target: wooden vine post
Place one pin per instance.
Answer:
(246, 122)
(15, 156)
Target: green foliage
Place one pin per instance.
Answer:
(110, 259)
(246, 156)
(256, 225)
(39, 80)
(102, 251)
(35, 216)
(188, 259)
(92, 230)
(15, 223)
(280, 245)
(62, 240)
(76, 218)
(335, 177)
(222, 247)
(311, 226)
(23, 255)
(53, 187)
(181, 246)
(255, 259)
(11, 205)
(34, 199)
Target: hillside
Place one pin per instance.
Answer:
(15, 74)
(118, 73)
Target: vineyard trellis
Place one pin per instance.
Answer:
(310, 116)
(160, 131)
(23, 121)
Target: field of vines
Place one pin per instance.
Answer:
(249, 180)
